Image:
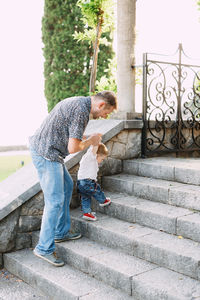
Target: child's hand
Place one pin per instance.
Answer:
(95, 139)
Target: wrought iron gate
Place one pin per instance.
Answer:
(171, 104)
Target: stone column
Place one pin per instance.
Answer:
(126, 20)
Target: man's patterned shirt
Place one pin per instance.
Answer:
(68, 119)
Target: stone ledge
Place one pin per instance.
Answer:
(23, 184)
(133, 124)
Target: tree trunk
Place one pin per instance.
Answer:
(95, 55)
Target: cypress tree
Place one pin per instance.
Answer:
(66, 67)
(67, 62)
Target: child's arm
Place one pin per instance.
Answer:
(94, 149)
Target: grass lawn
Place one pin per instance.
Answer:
(10, 164)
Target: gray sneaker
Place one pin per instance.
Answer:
(69, 236)
(51, 258)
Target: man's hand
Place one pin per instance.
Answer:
(76, 145)
(95, 139)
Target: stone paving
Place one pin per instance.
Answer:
(14, 288)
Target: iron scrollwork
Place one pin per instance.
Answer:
(171, 106)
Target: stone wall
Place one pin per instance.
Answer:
(125, 145)
(16, 228)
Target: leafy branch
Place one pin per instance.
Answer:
(98, 18)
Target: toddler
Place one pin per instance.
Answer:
(87, 180)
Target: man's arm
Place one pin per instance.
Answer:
(76, 145)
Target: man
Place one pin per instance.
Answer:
(61, 133)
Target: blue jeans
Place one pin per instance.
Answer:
(89, 188)
(57, 187)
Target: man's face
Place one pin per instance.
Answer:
(102, 110)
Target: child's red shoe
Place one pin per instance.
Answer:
(90, 217)
(106, 202)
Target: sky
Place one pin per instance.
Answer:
(161, 26)
(22, 101)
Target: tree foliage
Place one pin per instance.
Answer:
(98, 19)
(108, 81)
(91, 11)
(67, 62)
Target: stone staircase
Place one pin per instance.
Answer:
(145, 245)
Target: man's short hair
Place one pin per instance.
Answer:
(102, 150)
(107, 96)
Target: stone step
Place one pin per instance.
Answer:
(163, 217)
(164, 191)
(13, 288)
(111, 266)
(163, 284)
(134, 276)
(166, 250)
(169, 168)
(58, 283)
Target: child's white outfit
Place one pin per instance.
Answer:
(88, 166)
(87, 182)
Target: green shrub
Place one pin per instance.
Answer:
(10, 164)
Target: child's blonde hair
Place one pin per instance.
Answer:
(102, 150)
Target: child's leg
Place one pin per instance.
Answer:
(90, 188)
(99, 194)
(85, 189)
(86, 203)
